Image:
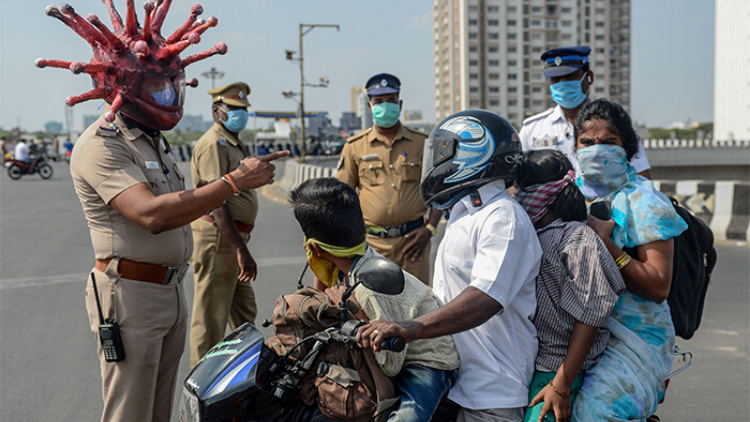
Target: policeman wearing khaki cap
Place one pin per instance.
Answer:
(223, 264)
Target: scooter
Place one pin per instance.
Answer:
(242, 379)
(17, 168)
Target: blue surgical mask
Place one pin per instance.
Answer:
(385, 114)
(236, 120)
(568, 94)
(164, 97)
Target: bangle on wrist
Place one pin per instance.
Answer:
(228, 179)
(559, 393)
(623, 260)
(431, 228)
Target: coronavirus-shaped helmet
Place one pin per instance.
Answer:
(134, 68)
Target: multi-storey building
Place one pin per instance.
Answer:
(487, 52)
(732, 70)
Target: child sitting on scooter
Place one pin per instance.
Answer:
(330, 216)
(577, 287)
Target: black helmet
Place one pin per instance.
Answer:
(467, 150)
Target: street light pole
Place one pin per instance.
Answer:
(304, 29)
(213, 74)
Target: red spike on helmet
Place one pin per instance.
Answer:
(135, 69)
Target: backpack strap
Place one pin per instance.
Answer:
(387, 398)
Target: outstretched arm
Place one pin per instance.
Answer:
(469, 309)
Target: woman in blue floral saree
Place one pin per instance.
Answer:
(628, 381)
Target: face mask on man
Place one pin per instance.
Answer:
(236, 120)
(385, 114)
(568, 94)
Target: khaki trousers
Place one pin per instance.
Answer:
(393, 249)
(219, 297)
(153, 324)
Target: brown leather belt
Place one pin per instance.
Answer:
(152, 273)
(244, 228)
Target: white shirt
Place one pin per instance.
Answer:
(550, 129)
(495, 249)
(21, 152)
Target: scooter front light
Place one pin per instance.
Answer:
(189, 407)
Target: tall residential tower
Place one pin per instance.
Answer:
(487, 52)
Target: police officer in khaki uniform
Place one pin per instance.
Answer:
(132, 195)
(223, 263)
(385, 164)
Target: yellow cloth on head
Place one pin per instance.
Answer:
(326, 271)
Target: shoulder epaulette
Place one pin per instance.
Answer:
(545, 113)
(358, 136)
(416, 131)
(106, 132)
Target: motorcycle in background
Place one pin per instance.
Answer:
(17, 168)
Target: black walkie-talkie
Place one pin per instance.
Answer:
(109, 332)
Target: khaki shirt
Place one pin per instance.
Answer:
(387, 176)
(217, 153)
(108, 161)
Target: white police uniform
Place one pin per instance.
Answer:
(551, 130)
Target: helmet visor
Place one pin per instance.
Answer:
(164, 90)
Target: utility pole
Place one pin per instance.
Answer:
(213, 74)
(304, 28)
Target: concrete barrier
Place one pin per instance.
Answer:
(295, 173)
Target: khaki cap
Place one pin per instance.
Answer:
(233, 94)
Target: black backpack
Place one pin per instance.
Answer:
(694, 259)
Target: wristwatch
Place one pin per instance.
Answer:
(431, 228)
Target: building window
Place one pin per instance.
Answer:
(511, 9)
(536, 9)
(494, 90)
(511, 22)
(473, 76)
(493, 49)
(473, 49)
(494, 103)
(536, 103)
(512, 49)
(600, 50)
(566, 36)
(566, 24)
(493, 9)
(494, 62)
(536, 36)
(472, 21)
(536, 49)
(473, 63)
(512, 89)
(599, 64)
(536, 22)
(473, 90)
(512, 102)
(600, 11)
(472, 36)
(474, 103)
(566, 10)
(512, 76)
(473, 8)
(536, 76)
(494, 36)
(493, 22)
(511, 36)
(512, 116)
(599, 90)
(600, 24)
(536, 89)
(511, 63)
(494, 76)
(600, 37)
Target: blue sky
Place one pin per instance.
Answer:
(672, 55)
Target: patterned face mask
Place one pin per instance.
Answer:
(602, 169)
